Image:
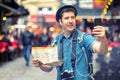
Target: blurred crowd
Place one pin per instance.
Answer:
(12, 41)
(112, 27)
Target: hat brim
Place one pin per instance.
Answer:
(63, 7)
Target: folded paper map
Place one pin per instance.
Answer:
(46, 55)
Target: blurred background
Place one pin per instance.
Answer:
(39, 15)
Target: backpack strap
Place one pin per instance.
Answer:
(89, 64)
(80, 38)
(74, 42)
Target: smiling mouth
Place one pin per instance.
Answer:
(70, 25)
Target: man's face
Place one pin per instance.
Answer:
(68, 21)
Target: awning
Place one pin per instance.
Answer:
(12, 9)
(8, 5)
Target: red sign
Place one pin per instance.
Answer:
(34, 18)
(99, 3)
(49, 18)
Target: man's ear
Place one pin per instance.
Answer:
(60, 22)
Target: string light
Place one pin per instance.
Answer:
(109, 3)
(107, 6)
(4, 18)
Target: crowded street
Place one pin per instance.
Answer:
(16, 70)
(104, 68)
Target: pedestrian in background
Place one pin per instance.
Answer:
(6, 44)
(75, 68)
(26, 42)
(45, 38)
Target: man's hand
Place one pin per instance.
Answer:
(102, 45)
(99, 32)
(44, 67)
(36, 63)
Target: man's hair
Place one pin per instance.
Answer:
(67, 10)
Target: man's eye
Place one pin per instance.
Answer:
(73, 17)
(66, 17)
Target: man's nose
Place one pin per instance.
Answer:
(70, 20)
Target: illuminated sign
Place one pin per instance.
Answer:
(86, 4)
(99, 3)
(69, 2)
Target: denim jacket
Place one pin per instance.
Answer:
(81, 69)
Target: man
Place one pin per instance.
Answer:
(79, 71)
(26, 43)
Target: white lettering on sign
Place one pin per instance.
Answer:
(88, 4)
(69, 2)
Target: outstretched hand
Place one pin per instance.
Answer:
(44, 67)
(99, 32)
(36, 63)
